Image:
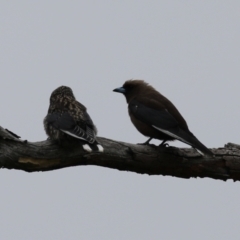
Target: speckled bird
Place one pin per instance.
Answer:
(68, 120)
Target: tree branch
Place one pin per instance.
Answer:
(152, 160)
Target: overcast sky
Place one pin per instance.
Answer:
(187, 50)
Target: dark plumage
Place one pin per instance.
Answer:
(155, 116)
(68, 120)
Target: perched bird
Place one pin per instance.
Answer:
(68, 120)
(155, 116)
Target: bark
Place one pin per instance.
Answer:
(152, 160)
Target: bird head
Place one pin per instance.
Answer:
(61, 92)
(132, 88)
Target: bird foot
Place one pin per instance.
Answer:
(164, 145)
(145, 143)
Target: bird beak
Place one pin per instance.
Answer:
(120, 90)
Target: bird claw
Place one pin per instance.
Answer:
(164, 145)
(145, 143)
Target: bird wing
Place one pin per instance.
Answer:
(154, 114)
(82, 129)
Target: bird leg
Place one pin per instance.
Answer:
(145, 143)
(164, 144)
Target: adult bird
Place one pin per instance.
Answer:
(67, 120)
(155, 116)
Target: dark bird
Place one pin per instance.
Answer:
(155, 116)
(68, 120)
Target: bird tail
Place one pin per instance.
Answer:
(189, 138)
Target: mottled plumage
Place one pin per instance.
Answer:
(68, 120)
(155, 116)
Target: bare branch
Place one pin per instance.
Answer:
(152, 160)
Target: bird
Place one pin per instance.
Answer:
(67, 121)
(156, 117)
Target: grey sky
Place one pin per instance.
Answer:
(188, 50)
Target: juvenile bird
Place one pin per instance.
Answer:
(155, 116)
(68, 120)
